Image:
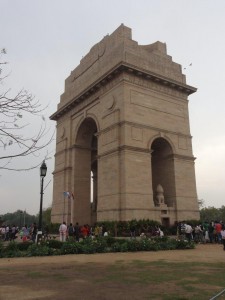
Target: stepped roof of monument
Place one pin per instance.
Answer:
(116, 50)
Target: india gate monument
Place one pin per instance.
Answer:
(123, 145)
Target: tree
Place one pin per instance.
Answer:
(47, 215)
(14, 136)
(213, 214)
(19, 218)
(201, 203)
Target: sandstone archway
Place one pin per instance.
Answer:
(120, 102)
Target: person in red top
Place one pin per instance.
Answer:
(84, 231)
(218, 228)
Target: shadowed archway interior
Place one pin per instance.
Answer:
(86, 167)
(163, 170)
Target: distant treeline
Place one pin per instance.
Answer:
(20, 218)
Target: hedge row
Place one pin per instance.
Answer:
(90, 246)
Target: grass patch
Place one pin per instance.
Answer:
(139, 279)
(35, 274)
(59, 277)
(192, 280)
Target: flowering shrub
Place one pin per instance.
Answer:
(90, 245)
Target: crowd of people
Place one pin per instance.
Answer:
(208, 232)
(77, 231)
(10, 233)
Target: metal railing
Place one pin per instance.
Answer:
(218, 295)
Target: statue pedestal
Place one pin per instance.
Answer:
(164, 210)
(163, 206)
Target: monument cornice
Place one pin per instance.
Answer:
(123, 148)
(143, 126)
(182, 157)
(118, 69)
(64, 169)
(157, 129)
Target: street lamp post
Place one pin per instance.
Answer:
(43, 171)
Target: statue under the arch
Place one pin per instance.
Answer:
(123, 128)
(159, 195)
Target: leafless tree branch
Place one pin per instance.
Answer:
(14, 110)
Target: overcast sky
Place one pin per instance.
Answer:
(46, 39)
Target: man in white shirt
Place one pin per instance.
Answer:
(62, 232)
(188, 232)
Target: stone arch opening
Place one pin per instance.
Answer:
(86, 172)
(163, 171)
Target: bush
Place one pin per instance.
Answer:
(89, 246)
(87, 249)
(55, 244)
(124, 247)
(11, 250)
(133, 245)
(115, 247)
(39, 250)
(12, 246)
(71, 248)
(144, 244)
(13, 253)
(169, 245)
(100, 245)
(24, 246)
(149, 245)
(1, 248)
(184, 244)
(109, 240)
(121, 241)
